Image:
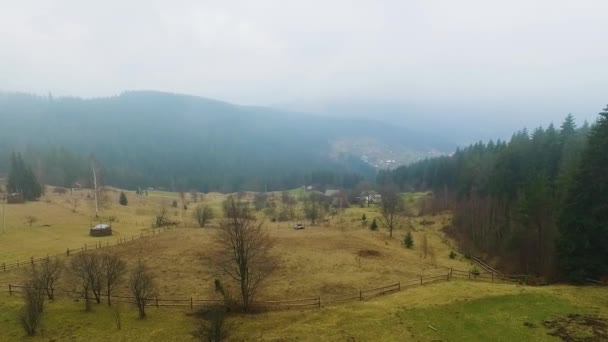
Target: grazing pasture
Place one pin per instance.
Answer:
(335, 258)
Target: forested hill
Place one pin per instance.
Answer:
(538, 204)
(184, 142)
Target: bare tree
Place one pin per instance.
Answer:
(182, 197)
(391, 209)
(242, 250)
(31, 220)
(203, 214)
(75, 204)
(194, 196)
(214, 328)
(86, 267)
(162, 218)
(33, 298)
(46, 274)
(425, 246)
(141, 284)
(312, 208)
(259, 200)
(113, 268)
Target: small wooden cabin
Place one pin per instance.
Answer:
(101, 230)
(15, 198)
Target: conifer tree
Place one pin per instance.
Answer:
(21, 179)
(123, 199)
(583, 222)
(374, 225)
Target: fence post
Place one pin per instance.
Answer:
(4, 267)
(32, 260)
(420, 280)
(10, 290)
(492, 276)
(360, 295)
(448, 277)
(67, 252)
(191, 304)
(450, 273)
(156, 301)
(399, 286)
(319, 299)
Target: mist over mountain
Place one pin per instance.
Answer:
(149, 138)
(464, 122)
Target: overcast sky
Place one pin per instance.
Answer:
(533, 60)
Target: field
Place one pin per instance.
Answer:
(329, 260)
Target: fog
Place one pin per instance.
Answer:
(500, 64)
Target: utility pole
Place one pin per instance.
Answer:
(4, 213)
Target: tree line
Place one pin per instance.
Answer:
(538, 202)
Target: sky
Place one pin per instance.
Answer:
(518, 62)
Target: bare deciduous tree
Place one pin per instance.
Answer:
(141, 283)
(86, 267)
(194, 196)
(113, 268)
(33, 298)
(45, 274)
(203, 214)
(242, 250)
(75, 204)
(214, 328)
(31, 220)
(162, 218)
(391, 209)
(425, 246)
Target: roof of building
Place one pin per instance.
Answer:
(101, 226)
(331, 192)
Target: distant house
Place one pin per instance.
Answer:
(339, 199)
(101, 230)
(369, 197)
(331, 193)
(15, 198)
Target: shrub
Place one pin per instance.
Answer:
(123, 199)
(452, 255)
(408, 241)
(363, 218)
(33, 298)
(374, 225)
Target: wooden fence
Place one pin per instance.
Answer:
(192, 302)
(70, 251)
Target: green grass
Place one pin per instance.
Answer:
(66, 320)
(459, 310)
(495, 318)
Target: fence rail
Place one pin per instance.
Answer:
(5, 267)
(302, 303)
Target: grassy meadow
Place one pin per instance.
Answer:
(332, 259)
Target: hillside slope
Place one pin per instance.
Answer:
(150, 138)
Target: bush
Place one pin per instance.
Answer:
(123, 199)
(174, 204)
(452, 255)
(475, 271)
(363, 218)
(374, 225)
(33, 298)
(408, 241)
